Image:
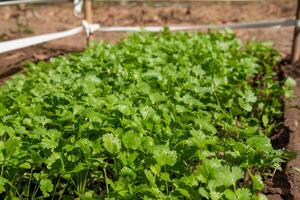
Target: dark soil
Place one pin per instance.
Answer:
(278, 186)
(24, 21)
(285, 185)
(13, 62)
(292, 119)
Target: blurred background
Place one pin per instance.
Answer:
(25, 20)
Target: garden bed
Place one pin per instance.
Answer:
(173, 115)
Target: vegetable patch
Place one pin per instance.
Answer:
(155, 116)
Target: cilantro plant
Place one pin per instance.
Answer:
(156, 116)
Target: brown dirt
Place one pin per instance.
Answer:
(285, 185)
(14, 61)
(24, 21)
(292, 119)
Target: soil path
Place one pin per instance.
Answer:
(292, 121)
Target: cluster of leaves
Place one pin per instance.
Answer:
(156, 116)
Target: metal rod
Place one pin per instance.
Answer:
(88, 15)
(9, 3)
(182, 1)
(243, 25)
(296, 39)
(88, 11)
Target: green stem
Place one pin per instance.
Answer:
(11, 185)
(106, 181)
(84, 182)
(2, 169)
(217, 99)
(56, 185)
(28, 188)
(166, 182)
(61, 194)
(34, 192)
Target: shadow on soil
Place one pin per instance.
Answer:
(278, 187)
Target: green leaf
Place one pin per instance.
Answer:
(243, 194)
(78, 109)
(164, 156)
(290, 82)
(79, 167)
(265, 120)
(127, 172)
(250, 96)
(207, 170)
(150, 178)
(165, 177)
(11, 146)
(156, 98)
(46, 187)
(203, 193)
(180, 108)
(147, 112)
(245, 105)
(125, 109)
(131, 140)
(52, 159)
(147, 142)
(111, 143)
(261, 143)
(261, 196)
(258, 184)
(94, 116)
(239, 194)
(228, 177)
(288, 87)
(25, 165)
(229, 194)
(184, 192)
(189, 181)
(3, 182)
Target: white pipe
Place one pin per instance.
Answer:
(9, 3)
(243, 25)
(26, 42)
(89, 28)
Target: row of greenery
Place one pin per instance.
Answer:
(156, 116)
